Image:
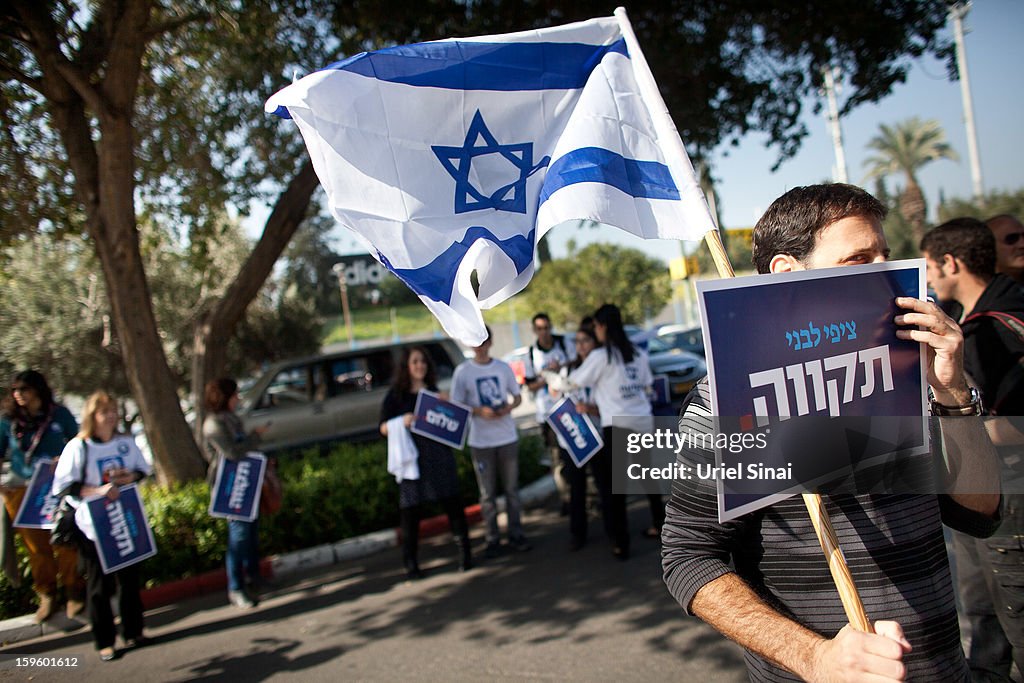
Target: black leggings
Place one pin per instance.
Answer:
(410, 525)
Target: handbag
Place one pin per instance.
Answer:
(65, 531)
(272, 493)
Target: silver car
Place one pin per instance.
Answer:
(333, 395)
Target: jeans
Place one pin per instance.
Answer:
(990, 580)
(243, 557)
(488, 463)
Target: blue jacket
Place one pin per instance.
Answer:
(61, 430)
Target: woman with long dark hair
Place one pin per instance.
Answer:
(620, 378)
(34, 426)
(437, 479)
(98, 462)
(225, 437)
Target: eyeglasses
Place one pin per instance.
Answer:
(542, 328)
(1012, 238)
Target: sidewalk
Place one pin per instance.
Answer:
(278, 566)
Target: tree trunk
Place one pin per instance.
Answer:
(103, 164)
(116, 238)
(216, 324)
(913, 208)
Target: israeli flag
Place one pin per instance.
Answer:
(458, 155)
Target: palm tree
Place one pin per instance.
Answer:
(906, 147)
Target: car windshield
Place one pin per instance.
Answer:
(655, 345)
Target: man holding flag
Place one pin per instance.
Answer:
(761, 580)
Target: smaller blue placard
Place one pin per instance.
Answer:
(123, 535)
(443, 421)
(236, 491)
(661, 394)
(38, 505)
(580, 437)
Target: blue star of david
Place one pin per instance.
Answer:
(458, 161)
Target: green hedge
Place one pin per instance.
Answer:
(327, 497)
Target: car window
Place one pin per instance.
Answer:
(290, 387)
(360, 372)
(657, 345)
(442, 362)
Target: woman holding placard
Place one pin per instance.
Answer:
(98, 462)
(224, 437)
(437, 479)
(620, 377)
(34, 426)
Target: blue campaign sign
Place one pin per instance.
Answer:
(38, 506)
(580, 438)
(661, 392)
(123, 535)
(821, 345)
(237, 488)
(443, 421)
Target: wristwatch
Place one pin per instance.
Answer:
(972, 407)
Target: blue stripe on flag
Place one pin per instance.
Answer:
(436, 280)
(642, 179)
(458, 65)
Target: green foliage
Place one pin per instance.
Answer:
(993, 204)
(60, 321)
(907, 146)
(572, 287)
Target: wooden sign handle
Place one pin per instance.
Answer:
(815, 508)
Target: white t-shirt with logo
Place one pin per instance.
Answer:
(491, 385)
(539, 360)
(120, 452)
(619, 389)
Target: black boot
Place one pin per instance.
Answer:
(465, 552)
(410, 522)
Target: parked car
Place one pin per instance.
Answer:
(334, 395)
(682, 367)
(683, 337)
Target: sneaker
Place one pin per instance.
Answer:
(492, 550)
(520, 544)
(240, 600)
(108, 654)
(47, 606)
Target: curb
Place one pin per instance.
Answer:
(326, 555)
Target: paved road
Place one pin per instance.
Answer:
(543, 615)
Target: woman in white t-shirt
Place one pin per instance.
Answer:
(98, 462)
(620, 378)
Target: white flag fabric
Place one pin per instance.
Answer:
(458, 155)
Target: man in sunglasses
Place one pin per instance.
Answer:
(961, 266)
(1009, 234)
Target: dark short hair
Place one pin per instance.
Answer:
(539, 316)
(792, 223)
(966, 239)
(218, 393)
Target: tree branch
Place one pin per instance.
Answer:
(46, 48)
(174, 24)
(26, 80)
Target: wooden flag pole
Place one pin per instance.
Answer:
(669, 136)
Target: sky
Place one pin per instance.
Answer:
(746, 185)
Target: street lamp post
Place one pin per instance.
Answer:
(339, 270)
